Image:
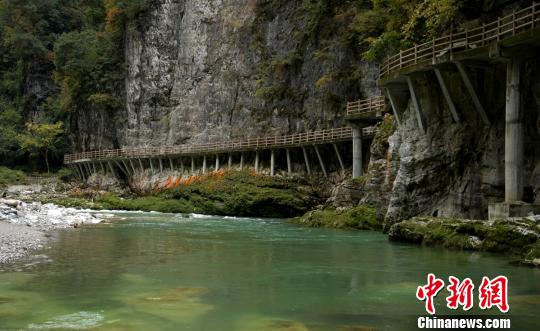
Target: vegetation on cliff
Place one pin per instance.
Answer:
(520, 237)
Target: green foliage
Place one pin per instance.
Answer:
(10, 177)
(361, 217)
(41, 139)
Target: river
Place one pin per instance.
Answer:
(151, 271)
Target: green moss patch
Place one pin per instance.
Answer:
(361, 217)
(11, 177)
(500, 236)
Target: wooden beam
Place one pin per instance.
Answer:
(469, 86)
(416, 104)
(306, 159)
(394, 104)
(323, 168)
(446, 94)
(339, 157)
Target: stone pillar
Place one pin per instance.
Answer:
(513, 150)
(358, 169)
(272, 162)
(289, 163)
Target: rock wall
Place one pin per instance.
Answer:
(194, 69)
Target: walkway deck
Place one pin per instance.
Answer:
(518, 27)
(253, 144)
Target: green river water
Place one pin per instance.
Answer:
(150, 271)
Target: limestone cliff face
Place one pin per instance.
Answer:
(194, 71)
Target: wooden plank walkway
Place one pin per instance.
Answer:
(504, 27)
(365, 106)
(272, 142)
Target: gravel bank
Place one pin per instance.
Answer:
(23, 226)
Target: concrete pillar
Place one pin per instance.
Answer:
(358, 168)
(306, 159)
(341, 164)
(204, 164)
(242, 161)
(192, 165)
(217, 163)
(513, 149)
(272, 162)
(323, 168)
(160, 165)
(81, 172)
(102, 167)
(230, 161)
(171, 164)
(289, 163)
(394, 104)
(151, 165)
(124, 163)
(112, 168)
(181, 166)
(256, 161)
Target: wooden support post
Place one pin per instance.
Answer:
(513, 149)
(126, 167)
(306, 159)
(323, 168)
(132, 166)
(112, 168)
(469, 86)
(358, 162)
(171, 163)
(160, 165)
(394, 103)
(256, 161)
(242, 161)
(272, 162)
(289, 163)
(140, 163)
(341, 164)
(121, 168)
(416, 104)
(217, 163)
(204, 165)
(230, 161)
(447, 96)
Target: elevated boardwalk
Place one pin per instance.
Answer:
(488, 41)
(369, 109)
(130, 160)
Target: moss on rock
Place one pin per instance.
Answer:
(361, 217)
(500, 236)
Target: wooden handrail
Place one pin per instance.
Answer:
(507, 26)
(294, 140)
(364, 106)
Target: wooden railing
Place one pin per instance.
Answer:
(364, 106)
(300, 139)
(504, 27)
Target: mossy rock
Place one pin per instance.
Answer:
(500, 236)
(361, 217)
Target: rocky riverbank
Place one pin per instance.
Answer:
(519, 237)
(24, 226)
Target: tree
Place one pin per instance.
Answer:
(40, 139)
